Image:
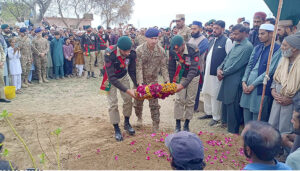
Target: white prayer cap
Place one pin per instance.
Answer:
(52, 28)
(269, 27)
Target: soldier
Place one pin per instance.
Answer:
(2, 61)
(140, 39)
(183, 70)
(102, 44)
(89, 46)
(183, 30)
(40, 48)
(118, 60)
(24, 44)
(151, 58)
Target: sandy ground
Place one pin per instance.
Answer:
(78, 107)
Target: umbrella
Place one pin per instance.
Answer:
(290, 9)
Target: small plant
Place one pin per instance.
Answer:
(5, 154)
(5, 115)
(56, 133)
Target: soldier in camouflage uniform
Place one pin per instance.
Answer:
(40, 48)
(24, 43)
(140, 39)
(183, 30)
(151, 58)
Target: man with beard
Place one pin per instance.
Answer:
(261, 145)
(258, 19)
(201, 42)
(285, 28)
(209, 29)
(183, 30)
(26, 53)
(293, 159)
(219, 47)
(252, 81)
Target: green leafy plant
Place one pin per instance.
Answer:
(56, 133)
(5, 154)
(5, 115)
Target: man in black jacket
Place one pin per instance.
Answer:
(183, 70)
(120, 59)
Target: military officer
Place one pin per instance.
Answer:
(183, 30)
(151, 58)
(183, 70)
(89, 45)
(24, 43)
(102, 43)
(40, 48)
(120, 60)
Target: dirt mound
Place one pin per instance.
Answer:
(87, 142)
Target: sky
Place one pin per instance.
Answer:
(149, 13)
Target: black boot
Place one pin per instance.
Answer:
(186, 125)
(128, 127)
(93, 75)
(118, 134)
(89, 75)
(178, 125)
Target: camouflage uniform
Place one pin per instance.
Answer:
(140, 39)
(40, 45)
(26, 53)
(148, 65)
(185, 32)
(2, 84)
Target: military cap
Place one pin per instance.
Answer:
(124, 43)
(4, 26)
(152, 32)
(37, 30)
(180, 16)
(176, 41)
(23, 30)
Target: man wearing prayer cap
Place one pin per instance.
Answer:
(183, 30)
(89, 46)
(201, 42)
(40, 48)
(286, 84)
(119, 65)
(183, 70)
(150, 60)
(252, 81)
(258, 19)
(26, 53)
(285, 28)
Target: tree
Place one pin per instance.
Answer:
(43, 6)
(113, 11)
(14, 10)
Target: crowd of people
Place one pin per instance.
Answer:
(227, 66)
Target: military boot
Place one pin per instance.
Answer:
(139, 122)
(118, 134)
(186, 125)
(44, 79)
(26, 82)
(93, 75)
(40, 79)
(89, 75)
(24, 85)
(178, 125)
(128, 127)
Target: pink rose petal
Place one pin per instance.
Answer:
(116, 157)
(147, 158)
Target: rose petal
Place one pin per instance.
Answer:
(116, 157)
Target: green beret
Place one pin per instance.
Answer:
(99, 27)
(124, 43)
(4, 26)
(176, 41)
(87, 26)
